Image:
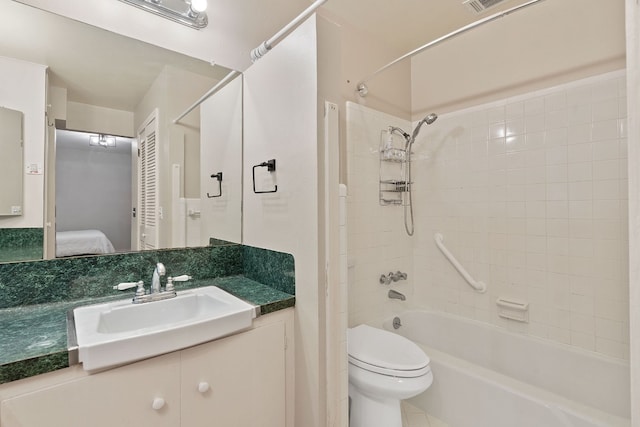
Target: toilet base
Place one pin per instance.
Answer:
(373, 412)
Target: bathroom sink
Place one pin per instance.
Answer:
(120, 332)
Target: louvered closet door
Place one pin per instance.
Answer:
(148, 188)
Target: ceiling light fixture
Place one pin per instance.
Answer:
(186, 12)
(102, 140)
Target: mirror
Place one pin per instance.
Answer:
(10, 162)
(101, 85)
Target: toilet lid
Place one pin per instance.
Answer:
(385, 352)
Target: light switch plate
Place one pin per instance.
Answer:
(34, 169)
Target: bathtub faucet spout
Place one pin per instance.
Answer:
(396, 295)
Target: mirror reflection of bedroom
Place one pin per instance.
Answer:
(93, 179)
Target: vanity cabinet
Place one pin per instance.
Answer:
(238, 381)
(242, 380)
(118, 397)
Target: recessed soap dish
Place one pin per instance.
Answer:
(513, 309)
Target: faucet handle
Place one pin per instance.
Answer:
(125, 285)
(140, 290)
(169, 286)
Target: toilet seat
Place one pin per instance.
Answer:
(385, 353)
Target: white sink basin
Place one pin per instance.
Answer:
(121, 332)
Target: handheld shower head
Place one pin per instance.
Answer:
(428, 120)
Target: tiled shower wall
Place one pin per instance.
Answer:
(530, 194)
(377, 242)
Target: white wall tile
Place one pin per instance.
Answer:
(580, 113)
(605, 110)
(579, 134)
(531, 196)
(534, 106)
(580, 171)
(582, 152)
(581, 190)
(603, 130)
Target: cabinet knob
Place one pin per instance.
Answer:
(158, 403)
(203, 387)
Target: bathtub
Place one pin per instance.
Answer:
(485, 376)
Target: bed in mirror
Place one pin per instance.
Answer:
(111, 171)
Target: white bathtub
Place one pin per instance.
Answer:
(485, 376)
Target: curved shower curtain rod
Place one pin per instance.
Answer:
(222, 83)
(362, 88)
(267, 45)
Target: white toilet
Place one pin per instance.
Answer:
(384, 368)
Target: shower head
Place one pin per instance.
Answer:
(428, 120)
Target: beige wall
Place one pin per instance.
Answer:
(280, 98)
(179, 143)
(284, 96)
(92, 118)
(26, 93)
(547, 44)
(221, 151)
(633, 105)
(390, 91)
(361, 56)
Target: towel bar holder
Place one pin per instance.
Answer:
(217, 176)
(271, 167)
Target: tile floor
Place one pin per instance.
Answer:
(415, 417)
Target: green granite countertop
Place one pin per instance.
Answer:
(33, 339)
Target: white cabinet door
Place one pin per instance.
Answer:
(238, 381)
(117, 398)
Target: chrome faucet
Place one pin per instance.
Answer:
(398, 275)
(155, 293)
(396, 295)
(386, 279)
(158, 272)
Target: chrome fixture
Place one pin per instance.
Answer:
(158, 272)
(398, 275)
(396, 323)
(428, 120)
(101, 140)
(155, 292)
(409, 140)
(409, 225)
(396, 295)
(186, 12)
(386, 279)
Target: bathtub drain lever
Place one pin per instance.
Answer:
(396, 323)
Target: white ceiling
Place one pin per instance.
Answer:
(95, 66)
(404, 25)
(106, 69)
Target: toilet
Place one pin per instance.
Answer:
(384, 368)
